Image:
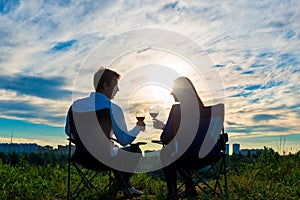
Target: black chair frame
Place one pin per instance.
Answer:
(216, 167)
(214, 162)
(87, 176)
(88, 167)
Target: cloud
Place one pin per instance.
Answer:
(248, 72)
(7, 6)
(44, 87)
(258, 130)
(242, 94)
(253, 87)
(30, 112)
(290, 34)
(63, 46)
(253, 45)
(264, 117)
(171, 6)
(32, 109)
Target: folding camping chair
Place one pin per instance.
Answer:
(86, 165)
(207, 153)
(205, 157)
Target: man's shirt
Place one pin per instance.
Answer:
(98, 101)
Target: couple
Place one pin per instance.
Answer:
(106, 87)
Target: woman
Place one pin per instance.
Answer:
(179, 132)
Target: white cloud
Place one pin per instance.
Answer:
(232, 33)
(45, 110)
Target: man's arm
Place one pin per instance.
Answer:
(119, 126)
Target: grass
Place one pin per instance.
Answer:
(269, 177)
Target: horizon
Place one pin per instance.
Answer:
(48, 49)
(282, 150)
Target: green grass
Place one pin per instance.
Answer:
(269, 177)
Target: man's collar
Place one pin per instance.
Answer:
(99, 95)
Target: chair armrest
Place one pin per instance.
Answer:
(132, 144)
(139, 143)
(157, 142)
(136, 145)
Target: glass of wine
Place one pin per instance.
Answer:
(140, 115)
(153, 111)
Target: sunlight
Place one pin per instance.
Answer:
(159, 66)
(147, 76)
(141, 99)
(147, 95)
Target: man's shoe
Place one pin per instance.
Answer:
(135, 192)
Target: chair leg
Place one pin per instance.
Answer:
(86, 182)
(202, 181)
(222, 169)
(69, 180)
(216, 173)
(225, 175)
(68, 184)
(124, 186)
(89, 184)
(217, 184)
(189, 183)
(115, 185)
(69, 171)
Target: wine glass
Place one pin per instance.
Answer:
(140, 115)
(153, 111)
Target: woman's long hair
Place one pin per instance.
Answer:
(184, 87)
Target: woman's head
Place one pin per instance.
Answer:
(183, 89)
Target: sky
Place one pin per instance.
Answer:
(50, 49)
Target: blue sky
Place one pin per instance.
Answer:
(254, 46)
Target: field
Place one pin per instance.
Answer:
(268, 176)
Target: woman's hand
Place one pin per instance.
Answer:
(158, 124)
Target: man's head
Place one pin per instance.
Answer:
(106, 82)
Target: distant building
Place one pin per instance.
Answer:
(251, 152)
(245, 152)
(18, 148)
(7, 148)
(45, 148)
(65, 149)
(236, 148)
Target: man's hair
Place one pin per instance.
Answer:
(103, 75)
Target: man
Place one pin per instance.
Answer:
(106, 87)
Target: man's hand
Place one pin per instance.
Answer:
(158, 124)
(141, 125)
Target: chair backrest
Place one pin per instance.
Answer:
(85, 128)
(210, 127)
